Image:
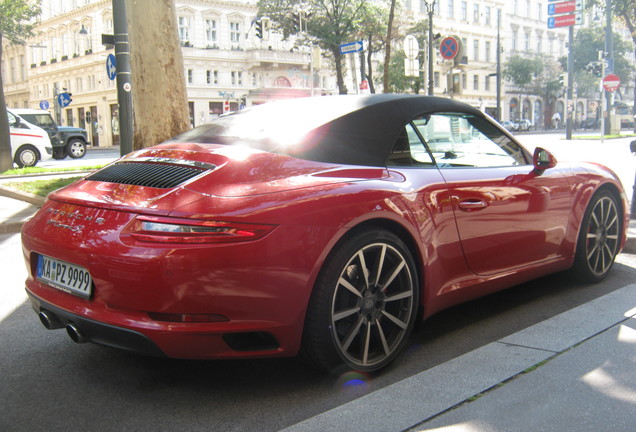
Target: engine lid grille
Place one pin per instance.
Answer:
(155, 172)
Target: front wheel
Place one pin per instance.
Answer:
(76, 148)
(599, 238)
(364, 304)
(26, 156)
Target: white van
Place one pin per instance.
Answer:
(29, 143)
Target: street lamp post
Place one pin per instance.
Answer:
(430, 8)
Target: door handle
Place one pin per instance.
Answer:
(472, 204)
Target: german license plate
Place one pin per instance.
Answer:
(64, 276)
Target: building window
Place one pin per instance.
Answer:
(436, 79)
(464, 81)
(451, 8)
(539, 43)
(487, 14)
(540, 11)
(210, 31)
(208, 77)
(184, 29)
(487, 83)
(528, 9)
(465, 10)
(237, 78)
(235, 32)
(487, 51)
(475, 82)
(189, 74)
(476, 50)
(527, 41)
(476, 13)
(515, 35)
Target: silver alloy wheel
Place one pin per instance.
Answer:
(602, 237)
(76, 149)
(27, 157)
(372, 305)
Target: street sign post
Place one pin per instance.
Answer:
(565, 20)
(449, 48)
(611, 82)
(111, 66)
(44, 105)
(351, 47)
(64, 99)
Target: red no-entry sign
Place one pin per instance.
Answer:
(611, 82)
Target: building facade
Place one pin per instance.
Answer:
(225, 64)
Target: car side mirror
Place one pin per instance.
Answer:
(543, 159)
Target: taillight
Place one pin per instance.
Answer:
(172, 230)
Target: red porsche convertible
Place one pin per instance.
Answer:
(324, 226)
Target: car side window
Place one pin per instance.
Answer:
(409, 150)
(11, 119)
(464, 140)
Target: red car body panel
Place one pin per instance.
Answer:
(454, 220)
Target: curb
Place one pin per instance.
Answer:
(36, 200)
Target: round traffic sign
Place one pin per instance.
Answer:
(449, 48)
(611, 82)
(44, 105)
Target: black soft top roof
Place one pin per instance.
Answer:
(355, 130)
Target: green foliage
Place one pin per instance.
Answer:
(522, 70)
(42, 187)
(399, 82)
(16, 15)
(327, 24)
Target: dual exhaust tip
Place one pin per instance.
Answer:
(51, 322)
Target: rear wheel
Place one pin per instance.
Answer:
(364, 304)
(76, 148)
(599, 238)
(26, 156)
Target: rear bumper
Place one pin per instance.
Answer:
(100, 333)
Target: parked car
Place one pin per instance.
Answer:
(66, 140)
(511, 126)
(29, 143)
(324, 226)
(525, 125)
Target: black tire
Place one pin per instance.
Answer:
(76, 148)
(26, 156)
(59, 153)
(363, 306)
(599, 238)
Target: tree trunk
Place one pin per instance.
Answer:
(342, 88)
(387, 51)
(160, 101)
(6, 161)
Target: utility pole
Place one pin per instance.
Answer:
(498, 116)
(570, 98)
(124, 78)
(609, 55)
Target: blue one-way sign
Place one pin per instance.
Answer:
(351, 47)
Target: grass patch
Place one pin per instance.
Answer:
(39, 170)
(41, 187)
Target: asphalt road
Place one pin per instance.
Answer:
(48, 383)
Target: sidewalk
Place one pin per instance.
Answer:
(573, 372)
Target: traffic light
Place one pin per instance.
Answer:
(563, 80)
(259, 29)
(296, 22)
(595, 68)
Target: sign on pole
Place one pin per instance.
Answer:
(449, 48)
(565, 20)
(44, 105)
(351, 47)
(611, 82)
(64, 99)
(111, 66)
(411, 47)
